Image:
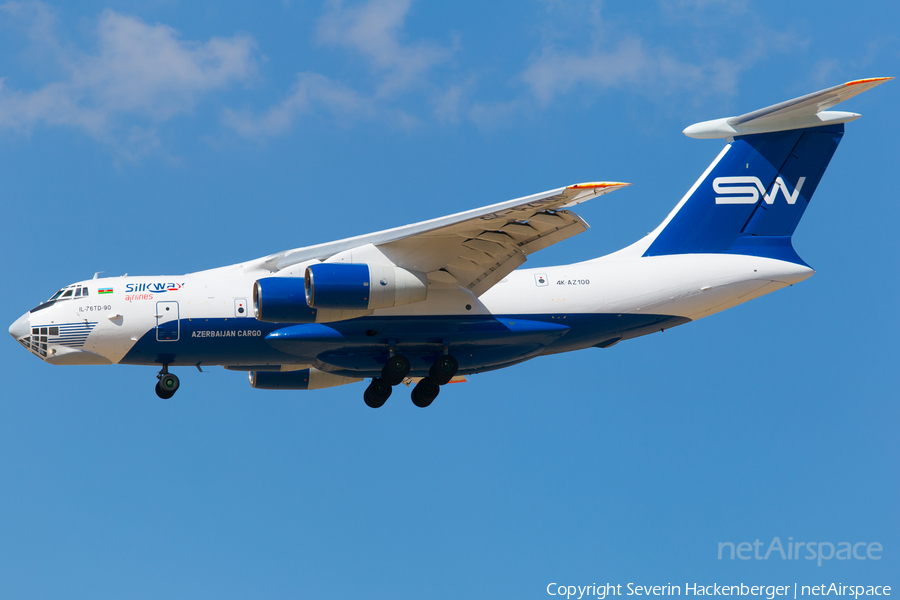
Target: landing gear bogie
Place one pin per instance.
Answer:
(395, 369)
(443, 369)
(377, 393)
(425, 392)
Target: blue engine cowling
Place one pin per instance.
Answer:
(302, 379)
(338, 286)
(282, 300)
(277, 380)
(348, 286)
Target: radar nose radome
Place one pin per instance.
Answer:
(21, 327)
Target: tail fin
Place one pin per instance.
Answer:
(752, 196)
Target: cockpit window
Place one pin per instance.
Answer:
(67, 293)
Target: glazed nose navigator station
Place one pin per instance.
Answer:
(57, 332)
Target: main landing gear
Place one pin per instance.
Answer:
(377, 393)
(425, 392)
(397, 368)
(441, 372)
(168, 383)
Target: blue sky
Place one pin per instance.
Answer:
(166, 137)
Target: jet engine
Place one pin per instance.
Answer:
(343, 286)
(281, 300)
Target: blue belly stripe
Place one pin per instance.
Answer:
(359, 346)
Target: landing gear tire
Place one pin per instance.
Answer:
(167, 385)
(443, 369)
(396, 368)
(425, 392)
(377, 393)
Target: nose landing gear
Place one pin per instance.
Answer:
(167, 385)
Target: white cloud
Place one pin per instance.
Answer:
(39, 22)
(138, 70)
(146, 68)
(139, 75)
(579, 52)
(311, 92)
(609, 58)
(374, 29)
(447, 105)
(554, 72)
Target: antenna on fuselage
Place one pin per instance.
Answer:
(97, 274)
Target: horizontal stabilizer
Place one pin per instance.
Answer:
(810, 110)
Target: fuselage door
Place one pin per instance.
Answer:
(240, 307)
(167, 323)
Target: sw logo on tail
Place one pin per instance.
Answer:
(744, 194)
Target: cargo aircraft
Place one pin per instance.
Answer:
(429, 303)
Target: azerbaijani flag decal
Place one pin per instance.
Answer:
(106, 291)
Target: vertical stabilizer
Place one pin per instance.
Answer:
(751, 198)
(758, 188)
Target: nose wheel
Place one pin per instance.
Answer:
(167, 385)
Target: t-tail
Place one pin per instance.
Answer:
(751, 198)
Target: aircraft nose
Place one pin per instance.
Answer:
(21, 327)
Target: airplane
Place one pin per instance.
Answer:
(432, 302)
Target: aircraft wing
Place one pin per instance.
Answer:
(475, 248)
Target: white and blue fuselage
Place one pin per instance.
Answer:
(445, 298)
(207, 319)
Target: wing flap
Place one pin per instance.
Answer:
(492, 248)
(494, 273)
(572, 225)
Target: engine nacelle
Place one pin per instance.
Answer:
(342, 286)
(304, 379)
(281, 300)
